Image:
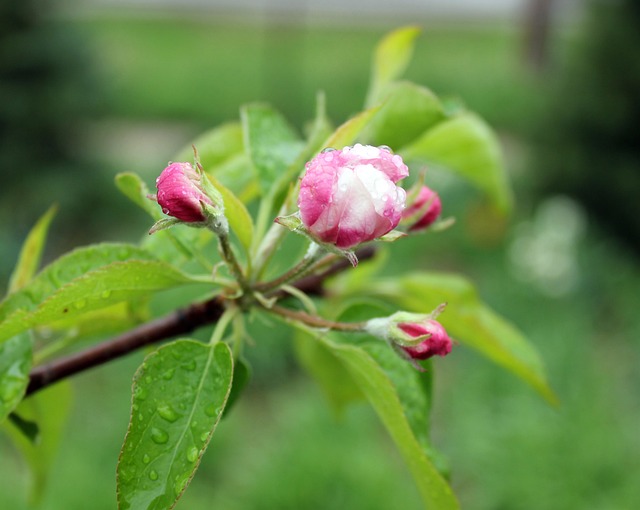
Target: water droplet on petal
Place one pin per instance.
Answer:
(385, 147)
(328, 149)
(159, 436)
(165, 210)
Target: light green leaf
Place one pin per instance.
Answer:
(270, 142)
(15, 364)
(48, 409)
(179, 393)
(329, 372)
(348, 132)
(465, 144)
(382, 393)
(407, 111)
(31, 251)
(46, 300)
(471, 322)
(391, 58)
(136, 190)
(236, 212)
(215, 146)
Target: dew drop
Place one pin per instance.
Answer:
(80, 304)
(181, 484)
(148, 379)
(165, 210)
(191, 366)
(159, 436)
(328, 149)
(140, 393)
(167, 412)
(168, 374)
(146, 459)
(153, 474)
(192, 454)
(105, 294)
(211, 410)
(204, 436)
(385, 147)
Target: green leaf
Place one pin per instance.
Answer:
(391, 58)
(15, 364)
(236, 212)
(471, 322)
(136, 190)
(215, 146)
(270, 142)
(407, 111)
(57, 293)
(241, 377)
(179, 393)
(31, 252)
(382, 393)
(329, 372)
(465, 144)
(48, 409)
(348, 132)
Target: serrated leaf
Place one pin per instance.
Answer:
(390, 60)
(179, 394)
(31, 252)
(465, 144)
(408, 111)
(15, 364)
(382, 393)
(470, 321)
(98, 288)
(270, 142)
(48, 409)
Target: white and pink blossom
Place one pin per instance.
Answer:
(350, 196)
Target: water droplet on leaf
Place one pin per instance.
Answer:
(159, 436)
(192, 454)
(153, 474)
(146, 459)
(167, 412)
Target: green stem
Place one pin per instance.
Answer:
(314, 253)
(230, 258)
(221, 325)
(315, 321)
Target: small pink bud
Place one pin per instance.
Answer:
(349, 196)
(180, 193)
(424, 210)
(438, 342)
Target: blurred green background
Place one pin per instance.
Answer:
(89, 91)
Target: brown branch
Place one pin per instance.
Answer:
(172, 325)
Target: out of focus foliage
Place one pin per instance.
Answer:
(47, 90)
(590, 139)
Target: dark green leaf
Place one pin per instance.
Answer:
(465, 144)
(215, 146)
(348, 132)
(179, 394)
(241, 377)
(15, 364)
(29, 429)
(31, 252)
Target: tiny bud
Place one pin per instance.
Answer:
(180, 193)
(438, 342)
(423, 211)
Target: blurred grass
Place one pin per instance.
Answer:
(280, 448)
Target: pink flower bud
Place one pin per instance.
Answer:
(424, 210)
(438, 343)
(180, 193)
(349, 196)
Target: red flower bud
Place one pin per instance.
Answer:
(180, 193)
(424, 210)
(438, 342)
